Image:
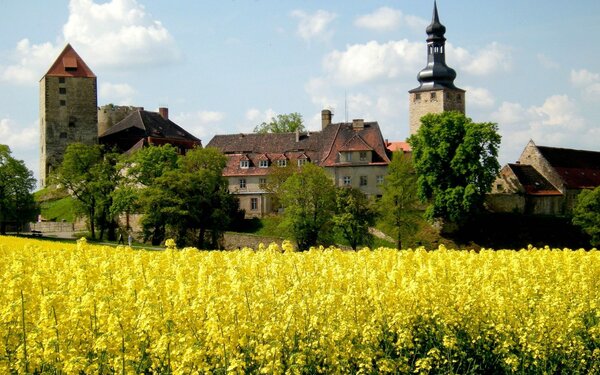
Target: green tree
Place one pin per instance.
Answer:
(17, 204)
(399, 204)
(191, 202)
(276, 177)
(308, 198)
(354, 215)
(89, 175)
(456, 164)
(586, 214)
(282, 124)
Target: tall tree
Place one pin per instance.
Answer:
(354, 215)
(456, 164)
(282, 124)
(586, 214)
(308, 198)
(89, 175)
(16, 184)
(399, 203)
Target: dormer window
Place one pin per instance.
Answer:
(281, 162)
(363, 156)
(263, 164)
(301, 162)
(244, 164)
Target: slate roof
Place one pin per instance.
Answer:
(579, 169)
(321, 148)
(532, 181)
(69, 64)
(148, 126)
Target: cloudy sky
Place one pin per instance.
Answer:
(224, 66)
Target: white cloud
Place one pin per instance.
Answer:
(557, 122)
(588, 81)
(29, 62)
(119, 33)
(199, 123)
(17, 137)
(493, 58)
(361, 63)
(315, 25)
(116, 93)
(387, 19)
(480, 97)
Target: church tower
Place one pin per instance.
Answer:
(436, 92)
(68, 109)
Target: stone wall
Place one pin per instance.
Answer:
(110, 114)
(68, 114)
(435, 101)
(532, 156)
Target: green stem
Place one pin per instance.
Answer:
(24, 333)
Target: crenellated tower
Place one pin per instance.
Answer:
(436, 92)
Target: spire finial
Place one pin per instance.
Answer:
(435, 17)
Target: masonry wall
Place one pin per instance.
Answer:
(68, 114)
(435, 101)
(533, 157)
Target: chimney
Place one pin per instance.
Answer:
(164, 112)
(326, 116)
(358, 124)
(297, 135)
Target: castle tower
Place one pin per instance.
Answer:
(68, 109)
(436, 92)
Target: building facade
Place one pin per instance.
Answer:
(353, 154)
(68, 109)
(436, 92)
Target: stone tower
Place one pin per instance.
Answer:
(436, 92)
(68, 109)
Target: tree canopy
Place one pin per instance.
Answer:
(456, 163)
(354, 215)
(399, 203)
(282, 124)
(17, 204)
(308, 198)
(586, 214)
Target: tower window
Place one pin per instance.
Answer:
(63, 135)
(71, 124)
(63, 103)
(417, 96)
(433, 96)
(62, 90)
(61, 79)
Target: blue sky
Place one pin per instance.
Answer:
(224, 66)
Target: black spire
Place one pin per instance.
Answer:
(436, 74)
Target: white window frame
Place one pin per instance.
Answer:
(263, 164)
(262, 182)
(281, 162)
(364, 180)
(242, 183)
(301, 162)
(245, 164)
(347, 180)
(380, 180)
(253, 204)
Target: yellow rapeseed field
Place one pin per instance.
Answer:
(94, 309)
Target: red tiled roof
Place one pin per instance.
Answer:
(579, 169)
(70, 64)
(321, 148)
(398, 146)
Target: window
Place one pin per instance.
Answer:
(263, 164)
(254, 204)
(363, 180)
(282, 162)
(380, 180)
(63, 135)
(62, 90)
(71, 124)
(348, 156)
(63, 103)
(301, 162)
(347, 180)
(433, 96)
(61, 79)
(242, 183)
(262, 182)
(417, 96)
(363, 156)
(244, 163)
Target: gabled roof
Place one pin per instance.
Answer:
(152, 125)
(356, 143)
(370, 134)
(579, 169)
(398, 146)
(70, 64)
(532, 181)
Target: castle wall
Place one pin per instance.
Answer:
(109, 115)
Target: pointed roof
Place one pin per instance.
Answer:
(70, 64)
(435, 30)
(356, 143)
(151, 124)
(532, 181)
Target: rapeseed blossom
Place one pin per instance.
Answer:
(95, 309)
